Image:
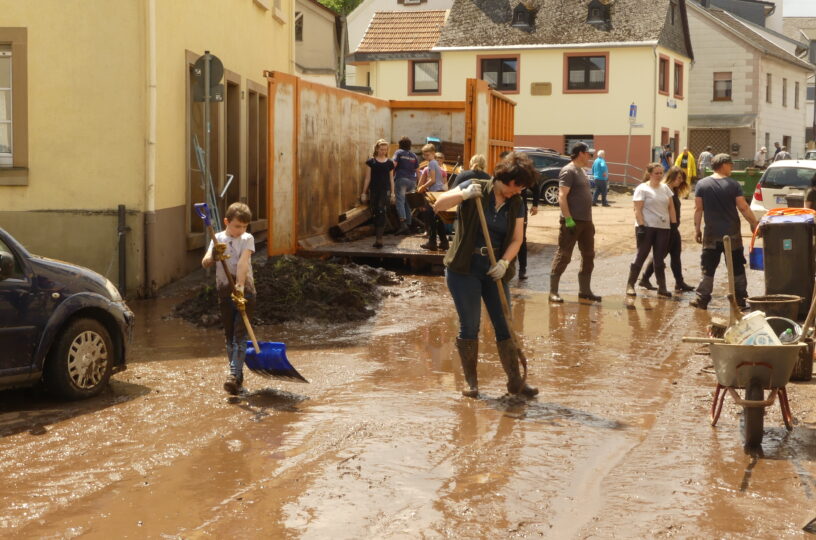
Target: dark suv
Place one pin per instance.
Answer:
(549, 165)
(59, 323)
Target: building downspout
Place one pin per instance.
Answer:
(655, 136)
(148, 288)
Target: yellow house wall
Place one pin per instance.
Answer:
(632, 78)
(85, 104)
(247, 38)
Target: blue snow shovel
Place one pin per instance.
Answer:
(267, 359)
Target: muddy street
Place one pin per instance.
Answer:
(382, 445)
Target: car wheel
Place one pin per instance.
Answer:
(79, 364)
(550, 193)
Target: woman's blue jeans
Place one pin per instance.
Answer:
(403, 186)
(468, 291)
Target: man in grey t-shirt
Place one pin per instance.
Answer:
(575, 201)
(718, 197)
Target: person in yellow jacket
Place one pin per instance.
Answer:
(686, 162)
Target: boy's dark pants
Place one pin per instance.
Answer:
(235, 332)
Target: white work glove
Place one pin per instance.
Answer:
(497, 270)
(473, 190)
(364, 198)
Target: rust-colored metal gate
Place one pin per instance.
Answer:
(489, 122)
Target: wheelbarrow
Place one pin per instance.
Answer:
(755, 369)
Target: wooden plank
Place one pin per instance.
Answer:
(454, 105)
(349, 214)
(339, 230)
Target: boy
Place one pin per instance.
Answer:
(235, 246)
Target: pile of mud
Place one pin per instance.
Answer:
(294, 288)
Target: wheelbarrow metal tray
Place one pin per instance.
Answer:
(736, 365)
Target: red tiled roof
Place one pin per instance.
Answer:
(402, 31)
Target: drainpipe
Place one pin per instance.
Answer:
(150, 188)
(654, 101)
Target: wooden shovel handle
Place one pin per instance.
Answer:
(505, 306)
(732, 295)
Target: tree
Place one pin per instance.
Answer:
(343, 7)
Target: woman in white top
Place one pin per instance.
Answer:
(654, 214)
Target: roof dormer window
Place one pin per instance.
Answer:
(598, 15)
(522, 17)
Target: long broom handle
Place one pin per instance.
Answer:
(505, 306)
(203, 213)
(732, 294)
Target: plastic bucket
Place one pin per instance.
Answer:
(756, 259)
(779, 305)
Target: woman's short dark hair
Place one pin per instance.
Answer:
(405, 144)
(516, 166)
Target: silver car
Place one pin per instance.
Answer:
(782, 185)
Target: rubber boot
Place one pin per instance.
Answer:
(554, 279)
(660, 276)
(646, 284)
(468, 353)
(443, 236)
(584, 290)
(630, 283)
(379, 232)
(741, 290)
(510, 362)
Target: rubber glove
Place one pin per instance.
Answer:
(497, 270)
(238, 296)
(473, 190)
(219, 252)
(364, 198)
(569, 222)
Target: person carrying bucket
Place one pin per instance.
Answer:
(235, 246)
(469, 274)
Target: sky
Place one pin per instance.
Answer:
(799, 8)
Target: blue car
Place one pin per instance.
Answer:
(61, 324)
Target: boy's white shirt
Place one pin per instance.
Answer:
(235, 247)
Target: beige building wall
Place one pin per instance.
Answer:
(87, 71)
(318, 49)
(544, 119)
(775, 118)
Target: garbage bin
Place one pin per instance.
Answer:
(789, 256)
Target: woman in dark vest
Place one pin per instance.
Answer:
(469, 275)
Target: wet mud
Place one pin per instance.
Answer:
(382, 445)
(295, 288)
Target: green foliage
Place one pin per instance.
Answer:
(344, 7)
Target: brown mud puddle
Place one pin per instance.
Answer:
(382, 445)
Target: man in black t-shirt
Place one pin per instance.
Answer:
(718, 197)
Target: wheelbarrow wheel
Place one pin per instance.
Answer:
(753, 417)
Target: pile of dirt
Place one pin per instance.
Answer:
(294, 288)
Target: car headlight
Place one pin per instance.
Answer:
(113, 291)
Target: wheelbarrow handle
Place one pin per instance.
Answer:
(203, 211)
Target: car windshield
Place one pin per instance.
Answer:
(779, 177)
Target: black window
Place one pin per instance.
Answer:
(501, 73)
(586, 73)
(425, 76)
(298, 26)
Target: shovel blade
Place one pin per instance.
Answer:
(271, 361)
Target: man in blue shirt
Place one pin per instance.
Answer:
(601, 174)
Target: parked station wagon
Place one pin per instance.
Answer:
(782, 184)
(60, 323)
